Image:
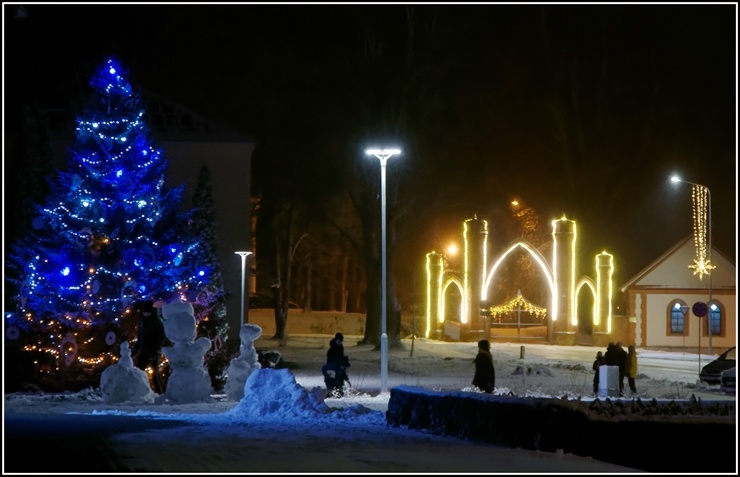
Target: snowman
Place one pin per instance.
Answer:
(241, 367)
(189, 381)
(123, 382)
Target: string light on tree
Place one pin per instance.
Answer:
(109, 233)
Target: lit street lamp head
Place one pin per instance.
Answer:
(383, 154)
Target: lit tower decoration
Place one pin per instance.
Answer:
(475, 234)
(109, 233)
(564, 239)
(435, 311)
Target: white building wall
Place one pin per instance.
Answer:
(657, 312)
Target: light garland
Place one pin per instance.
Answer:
(702, 265)
(518, 303)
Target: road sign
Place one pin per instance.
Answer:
(700, 309)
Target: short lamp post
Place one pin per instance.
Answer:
(244, 268)
(383, 155)
(703, 263)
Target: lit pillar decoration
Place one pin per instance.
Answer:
(603, 306)
(701, 200)
(475, 234)
(565, 322)
(435, 311)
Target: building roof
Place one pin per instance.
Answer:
(671, 270)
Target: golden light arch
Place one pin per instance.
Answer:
(587, 282)
(463, 299)
(537, 256)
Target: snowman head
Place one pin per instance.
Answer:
(179, 321)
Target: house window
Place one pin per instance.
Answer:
(715, 318)
(678, 319)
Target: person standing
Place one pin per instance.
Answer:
(149, 341)
(335, 369)
(598, 362)
(622, 363)
(485, 375)
(632, 368)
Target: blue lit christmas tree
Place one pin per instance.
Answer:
(109, 234)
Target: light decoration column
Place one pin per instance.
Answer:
(383, 155)
(244, 267)
(701, 200)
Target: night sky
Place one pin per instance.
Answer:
(582, 110)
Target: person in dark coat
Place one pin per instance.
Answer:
(485, 375)
(598, 362)
(622, 363)
(150, 339)
(610, 357)
(335, 369)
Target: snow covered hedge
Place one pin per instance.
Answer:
(670, 436)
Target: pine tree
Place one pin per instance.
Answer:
(210, 305)
(110, 233)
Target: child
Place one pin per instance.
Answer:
(597, 364)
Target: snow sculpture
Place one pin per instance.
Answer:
(189, 381)
(123, 381)
(242, 366)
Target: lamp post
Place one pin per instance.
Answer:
(244, 265)
(383, 155)
(703, 262)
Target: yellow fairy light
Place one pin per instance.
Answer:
(700, 199)
(517, 303)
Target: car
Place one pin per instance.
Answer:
(710, 373)
(727, 380)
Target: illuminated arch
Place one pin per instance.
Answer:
(587, 282)
(537, 256)
(452, 280)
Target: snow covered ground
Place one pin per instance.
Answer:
(284, 425)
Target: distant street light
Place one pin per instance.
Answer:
(383, 155)
(703, 262)
(244, 265)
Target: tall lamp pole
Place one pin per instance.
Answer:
(383, 155)
(244, 266)
(703, 263)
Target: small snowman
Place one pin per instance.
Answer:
(123, 382)
(189, 381)
(241, 367)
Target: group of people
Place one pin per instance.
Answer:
(484, 378)
(625, 361)
(335, 369)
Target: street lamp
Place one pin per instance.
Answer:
(702, 229)
(244, 264)
(383, 155)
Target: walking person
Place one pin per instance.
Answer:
(598, 362)
(150, 338)
(335, 369)
(632, 368)
(485, 375)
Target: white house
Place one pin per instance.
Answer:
(661, 299)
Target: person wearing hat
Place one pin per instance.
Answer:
(485, 376)
(335, 369)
